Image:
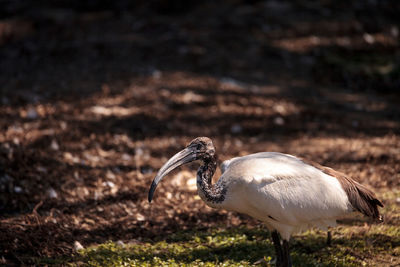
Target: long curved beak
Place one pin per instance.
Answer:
(185, 156)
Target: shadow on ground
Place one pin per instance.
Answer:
(95, 97)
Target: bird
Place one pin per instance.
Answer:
(287, 193)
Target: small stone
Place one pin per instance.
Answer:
(54, 145)
(51, 193)
(110, 175)
(78, 246)
(63, 125)
(41, 169)
(109, 184)
(191, 184)
(32, 114)
(368, 38)
(139, 151)
(236, 128)
(280, 109)
(18, 189)
(15, 141)
(126, 157)
(279, 121)
(140, 217)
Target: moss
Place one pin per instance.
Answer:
(354, 244)
(243, 247)
(211, 248)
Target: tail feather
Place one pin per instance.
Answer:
(362, 199)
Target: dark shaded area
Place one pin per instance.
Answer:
(96, 94)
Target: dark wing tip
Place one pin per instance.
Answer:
(379, 203)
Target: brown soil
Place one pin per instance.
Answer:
(95, 98)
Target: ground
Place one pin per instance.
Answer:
(95, 97)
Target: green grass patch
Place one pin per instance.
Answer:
(352, 246)
(355, 243)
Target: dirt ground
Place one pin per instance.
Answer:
(95, 97)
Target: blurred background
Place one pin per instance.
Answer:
(97, 95)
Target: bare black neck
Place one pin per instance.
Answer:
(212, 194)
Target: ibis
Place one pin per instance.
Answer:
(288, 194)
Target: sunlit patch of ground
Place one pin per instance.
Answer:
(355, 243)
(379, 246)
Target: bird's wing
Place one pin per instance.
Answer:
(283, 187)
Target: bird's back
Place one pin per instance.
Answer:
(265, 166)
(283, 191)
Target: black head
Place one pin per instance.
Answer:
(199, 148)
(203, 147)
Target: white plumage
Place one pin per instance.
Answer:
(269, 184)
(286, 193)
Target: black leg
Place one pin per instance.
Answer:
(278, 248)
(329, 238)
(287, 261)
